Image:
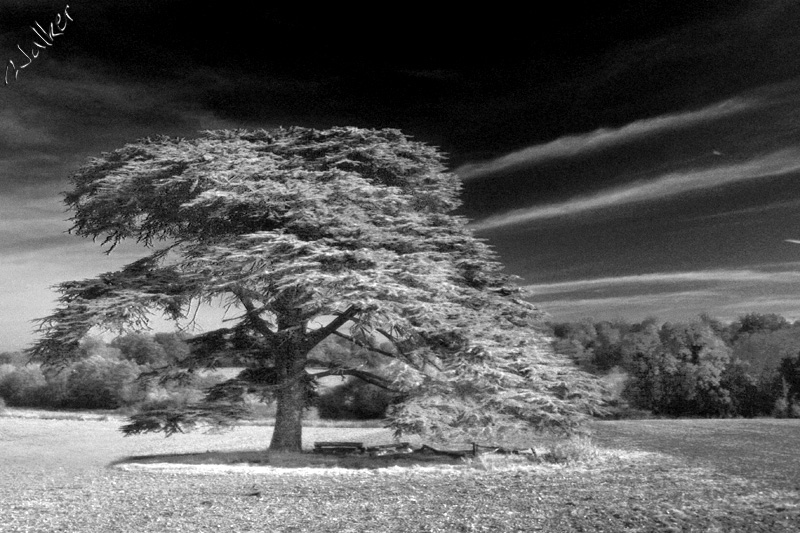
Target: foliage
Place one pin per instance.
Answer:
(309, 234)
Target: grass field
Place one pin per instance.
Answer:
(687, 475)
(766, 450)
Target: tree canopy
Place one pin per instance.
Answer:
(307, 234)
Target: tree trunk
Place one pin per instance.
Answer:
(291, 396)
(288, 433)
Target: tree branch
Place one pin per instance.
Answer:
(395, 342)
(365, 345)
(253, 316)
(318, 335)
(369, 377)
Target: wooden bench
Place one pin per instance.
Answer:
(335, 447)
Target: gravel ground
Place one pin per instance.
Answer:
(54, 476)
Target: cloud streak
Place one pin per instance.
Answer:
(677, 306)
(723, 293)
(714, 276)
(574, 145)
(671, 184)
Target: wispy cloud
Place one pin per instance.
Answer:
(603, 138)
(757, 210)
(715, 276)
(22, 129)
(668, 306)
(774, 164)
(723, 293)
(676, 306)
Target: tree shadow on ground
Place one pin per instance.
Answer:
(295, 460)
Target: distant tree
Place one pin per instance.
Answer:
(764, 350)
(608, 346)
(576, 340)
(142, 349)
(749, 396)
(346, 232)
(647, 363)
(720, 329)
(677, 370)
(757, 323)
(20, 386)
(174, 345)
(96, 347)
(701, 359)
(13, 358)
(99, 383)
(790, 375)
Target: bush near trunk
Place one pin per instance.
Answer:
(354, 400)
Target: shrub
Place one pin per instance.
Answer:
(162, 398)
(354, 400)
(97, 347)
(13, 358)
(6, 369)
(614, 383)
(27, 386)
(98, 383)
(577, 449)
(174, 396)
(781, 409)
(141, 349)
(53, 393)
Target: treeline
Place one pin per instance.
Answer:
(105, 376)
(748, 368)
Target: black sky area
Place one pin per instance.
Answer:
(476, 82)
(595, 142)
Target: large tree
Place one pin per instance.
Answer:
(308, 234)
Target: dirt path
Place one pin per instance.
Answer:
(762, 450)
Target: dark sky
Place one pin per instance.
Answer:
(632, 159)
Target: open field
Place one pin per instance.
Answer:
(766, 449)
(54, 476)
